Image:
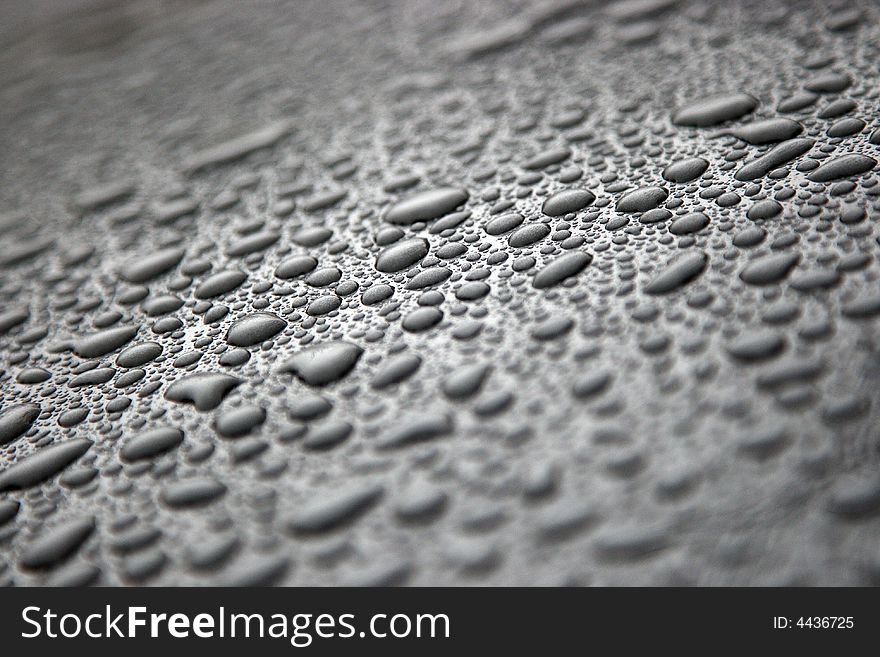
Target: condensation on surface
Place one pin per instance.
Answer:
(439, 293)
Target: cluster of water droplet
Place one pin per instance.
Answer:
(587, 303)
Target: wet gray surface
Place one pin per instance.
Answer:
(439, 293)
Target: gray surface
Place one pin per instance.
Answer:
(708, 421)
